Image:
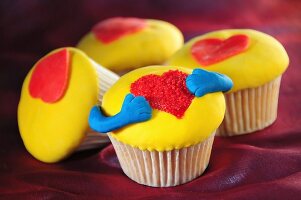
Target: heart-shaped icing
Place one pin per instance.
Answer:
(167, 92)
(49, 79)
(112, 29)
(213, 50)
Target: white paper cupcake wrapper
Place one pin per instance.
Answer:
(249, 110)
(93, 140)
(163, 169)
(106, 79)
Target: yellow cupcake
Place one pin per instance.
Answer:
(56, 98)
(122, 44)
(254, 61)
(170, 148)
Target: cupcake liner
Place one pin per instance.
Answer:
(106, 79)
(163, 169)
(249, 110)
(93, 140)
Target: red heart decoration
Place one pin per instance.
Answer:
(114, 28)
(49, 79)
(210, 51)
(167, 92)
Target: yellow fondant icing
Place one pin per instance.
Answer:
(151, 45)
(264, 60)
(51, 131)
(164, 131)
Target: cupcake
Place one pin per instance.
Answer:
(122, 44)
(161, 121)
(254, 61)
(56, 99)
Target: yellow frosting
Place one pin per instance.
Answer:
(51, 131)
(264, 60)
(152, 45)
(164, 131)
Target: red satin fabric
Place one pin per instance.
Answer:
(263, 165)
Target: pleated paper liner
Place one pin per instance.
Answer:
(163, 169)
(106, 79)
(93, 140)
(250, 110)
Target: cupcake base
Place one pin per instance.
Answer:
(249, 110)
(163, 169)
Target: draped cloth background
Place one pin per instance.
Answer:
(263, 165)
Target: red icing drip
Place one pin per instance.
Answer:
(167, 92)
(210, 51)
(49, 79)
(112, 29)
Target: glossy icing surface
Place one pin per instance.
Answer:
(210, 51)
(51, 131)
(112, 29)
(263, 60)
(165, 131)
(49, 79)
(153, 44)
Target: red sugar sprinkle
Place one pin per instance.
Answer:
(167, 92)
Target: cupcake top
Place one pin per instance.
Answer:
(178, 118)
(249, 57)
(56, 98)
(122, 43)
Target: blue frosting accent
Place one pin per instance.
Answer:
(134, 109)
(202, 82)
